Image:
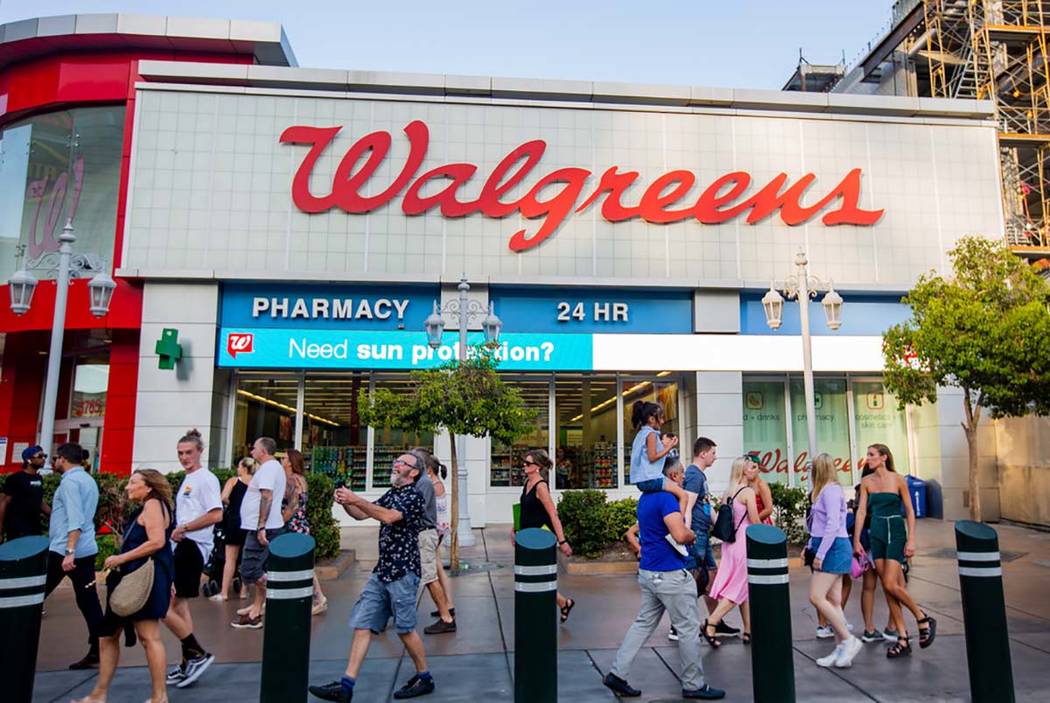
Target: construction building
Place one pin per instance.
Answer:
(973, 49)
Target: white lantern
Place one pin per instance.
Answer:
(101, 289)
(21, 286)
(492, 325)
(773, 304)
(833, 308)
(435, 327)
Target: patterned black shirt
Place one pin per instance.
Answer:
(399, 543)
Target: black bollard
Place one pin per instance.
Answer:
(289, 598)
(535, 617)
(984, 613)
(23, 573)
(772, 657)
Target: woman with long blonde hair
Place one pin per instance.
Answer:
(730, 585)
(830, 546)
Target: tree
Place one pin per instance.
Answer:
(464, 397)
(986, 330)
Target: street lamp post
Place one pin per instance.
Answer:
(802, 287)
(22, 286)
(466, 310)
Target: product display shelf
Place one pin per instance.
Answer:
(602, 465)
(507, 466)
(348, 464)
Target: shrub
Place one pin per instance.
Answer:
(790, 507)
(620, 515)
(584, 518)
(107, 547)
(323, 526)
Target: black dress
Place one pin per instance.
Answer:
(533, 514)
(231, 518)
(163, 563)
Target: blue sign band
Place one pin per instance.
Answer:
(255, 348)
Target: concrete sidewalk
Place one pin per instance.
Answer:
(477, 662)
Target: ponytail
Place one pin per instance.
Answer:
(642, 410)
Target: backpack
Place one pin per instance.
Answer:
(724, 528)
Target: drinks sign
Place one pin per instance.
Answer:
(556, 196)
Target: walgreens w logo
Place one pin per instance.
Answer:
(240, 343)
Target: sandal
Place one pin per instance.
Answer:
(746, 638)
(711, 639)
(929, 633)
(566, 609)
(901, 649)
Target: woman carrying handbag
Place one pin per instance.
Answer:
(139, 599)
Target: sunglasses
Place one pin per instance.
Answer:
(40, 456)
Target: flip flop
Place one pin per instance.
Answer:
(567, 608)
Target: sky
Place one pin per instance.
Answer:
(736, 43)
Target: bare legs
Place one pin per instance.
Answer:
(148, 632)
(229, 570)
(897, 595)
(825, 593)
(847, 586)
(437, 594)
(446, 584)
(179, 620)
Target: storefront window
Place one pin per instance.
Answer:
(265, 408)
(832, 426)
(878, 421)
(585, 433)
(90, 381)
(390, 443)
(334, 442)
(663, 390)
(54, 167)
(507, 460)
(765, 429)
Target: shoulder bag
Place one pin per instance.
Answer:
(724, 528)
(133, 590)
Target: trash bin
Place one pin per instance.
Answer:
(917, 490)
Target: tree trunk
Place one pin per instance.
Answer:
(453, 550)
(973, 416)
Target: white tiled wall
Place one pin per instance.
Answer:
(211, 191)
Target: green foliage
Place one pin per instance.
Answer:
(584, 519)
(790, 507)
(323, 526)
(986, 330)
(466, 398)
(107, 547)
(619, 516)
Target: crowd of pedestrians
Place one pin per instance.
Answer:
(230, 528)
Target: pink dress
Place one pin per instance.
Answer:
(731, 580)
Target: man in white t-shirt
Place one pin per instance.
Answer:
(198, 507)
(261, 519)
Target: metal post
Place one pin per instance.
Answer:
(23, 573)
(464, 531)
(535, 617)
(58, 326)
(286, 641)
(772, 663)
(807, 352)
(984, 613)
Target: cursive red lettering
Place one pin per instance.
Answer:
(708, 206)
(651, 208)
(495, 187)
(414, 204)
(849, 213)
(348, 182)
(614, 184)
(318, 138)
(555, 209)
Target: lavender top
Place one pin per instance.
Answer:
(828, 517)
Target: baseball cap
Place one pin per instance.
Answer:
(30, 452)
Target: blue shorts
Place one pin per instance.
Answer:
(380, 600)
(839, 557)
(651, 485)
(701, 552)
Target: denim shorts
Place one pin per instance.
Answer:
(380, 600)
(651, 485)
(839, 557)
(700, 551)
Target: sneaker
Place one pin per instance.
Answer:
(850, 649)
(216, 598)
(440, 627)
(620, 687)
(176, 674)
(194, 668)
(870, 636)
(245, 622)
(890, 635)
(849, 626)
(707, 693)
(723, 629)
(437, 613)
(415, 686)
(825, 632)
(90, 661)
(830, 659)
(677, 547)
(672, 634)
(331, 692)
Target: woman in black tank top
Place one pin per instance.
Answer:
(538, 510)
(232, 496)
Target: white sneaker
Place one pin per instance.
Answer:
(849, 626)
(850, 648)
(672, 634)
(831, 658)
(678, 547)
(825, 633)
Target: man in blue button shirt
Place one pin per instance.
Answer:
(73, 546)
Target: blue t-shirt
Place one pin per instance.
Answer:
(657, 553)
(641, 468)
(696, 482)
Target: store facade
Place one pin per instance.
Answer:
(297, 226)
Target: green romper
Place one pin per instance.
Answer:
(889, 532)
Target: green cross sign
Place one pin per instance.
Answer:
(168, 348)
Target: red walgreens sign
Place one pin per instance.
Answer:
(240, 343)
(720, 201)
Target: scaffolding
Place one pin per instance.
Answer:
(997, 50)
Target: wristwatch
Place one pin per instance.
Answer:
(70, 552)
(564, 541)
